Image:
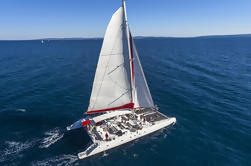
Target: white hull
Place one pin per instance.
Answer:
(101, 146)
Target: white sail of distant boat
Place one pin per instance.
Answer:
(120, 102)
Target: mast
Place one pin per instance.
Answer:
(130, 51)
(140, 93)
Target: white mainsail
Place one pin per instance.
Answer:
(119, 81)
(112, 83)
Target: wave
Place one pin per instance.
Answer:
(14, 148)
(135, 155)
(21, 110)
(61, 160)
(124, 152)
(52, 136)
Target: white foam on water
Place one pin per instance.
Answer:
(135, 155)
(21, 110)
(14, 148)
(105, 154)
(51, 137)
(61, 160)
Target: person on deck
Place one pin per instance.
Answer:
(151, 119)
(106, 136)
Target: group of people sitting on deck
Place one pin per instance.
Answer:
(128, 122)
(131, 122)
(142, 117)
(112, 128)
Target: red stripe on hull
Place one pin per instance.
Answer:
(126, 106)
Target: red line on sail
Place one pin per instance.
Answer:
(126, 106)
(132, 67)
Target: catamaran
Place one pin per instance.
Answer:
(121, 108)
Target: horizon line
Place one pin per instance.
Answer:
(137, 37)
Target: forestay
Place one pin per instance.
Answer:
(112, 83)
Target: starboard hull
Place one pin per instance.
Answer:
(99, 147)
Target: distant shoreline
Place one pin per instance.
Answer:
(139, 37)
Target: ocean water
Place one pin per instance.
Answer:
(204, 82)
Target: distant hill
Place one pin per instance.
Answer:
(143, 37)
(73, 38)
(209, 36)
(226, 36)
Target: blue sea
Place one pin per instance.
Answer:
(205, 82)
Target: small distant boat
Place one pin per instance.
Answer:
(42, 41)
(121, 108)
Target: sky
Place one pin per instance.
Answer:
(34, 19)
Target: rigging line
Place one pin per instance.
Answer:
(115, 68)
(104, 72)
(119, 97)
(120, 53)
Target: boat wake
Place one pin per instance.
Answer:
(14, 149)
(51, 137)
(61, 160)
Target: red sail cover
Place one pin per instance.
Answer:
(126, 106)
